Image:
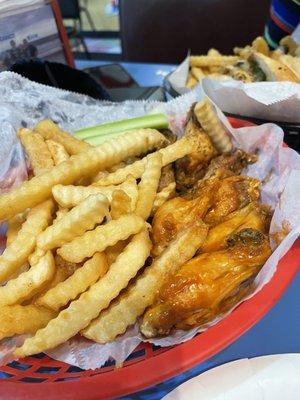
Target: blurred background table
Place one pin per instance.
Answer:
(143, 74)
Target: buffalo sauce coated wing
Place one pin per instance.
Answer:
(177, 213)
(232, 194)
(212, 200)
(207, 285)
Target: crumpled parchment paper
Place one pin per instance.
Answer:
(23, 103)
(273, 101)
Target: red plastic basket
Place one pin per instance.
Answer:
(40, 377)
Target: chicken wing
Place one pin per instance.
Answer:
(207, 285)
(191, 168)
(179, 212)
(254, 215)
(233, 193)
(213, 200)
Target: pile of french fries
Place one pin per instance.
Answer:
(222, 67)
(78, 235)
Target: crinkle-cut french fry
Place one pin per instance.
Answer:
(198, 73)
(113, 252)
(80, 219)
(191, 81)
(120, 204)
(171, 153)
(70, 196)
(13, 227)
(49, 130)
(218, 235)
(85, 276)
(17, 319)
(207, 61)
(26, 284)
(80, 312)
(37, 151)
(61, 212)
(99, 175)
(109, 153)
(36, 255)
(101, 237)
(148, 186)
(58, 152)
(211, 124)
(63, 270)
(16, 254)
(66, 266)
(141, 294)
(114, 168)
(164, 195)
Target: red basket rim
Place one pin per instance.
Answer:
(176, 359)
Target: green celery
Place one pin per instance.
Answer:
(155, 121)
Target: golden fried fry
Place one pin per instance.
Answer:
(171, 153)
(211, 124)
(92, 270)
(218, 235)
(76, 222)
(148, 185)
(164, 195)
(242, 52)
(290, 43)
(37, 151)
(213, 53)
(58, 152)
(70, 196)
(191, 81)
(17, 319)
(16, 254)
(237, 73)
(114, 168)
(207, 61)
(63, 270)
(291, 62)
(133, 302)
(27, 283)
(49, 130)
(259, 44)
(109, 153)
(120, 204)
(101, 237)
(36, 255)
(61, 212)
(198, 73)
(13, 227)
(113, 252)
(80, 312)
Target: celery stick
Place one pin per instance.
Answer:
(155, 121)
(97, 140)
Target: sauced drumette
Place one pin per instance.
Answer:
(207, 285)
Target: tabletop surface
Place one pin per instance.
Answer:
(143, 74)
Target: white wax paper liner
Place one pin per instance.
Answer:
(23, 103)
(273, 101)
